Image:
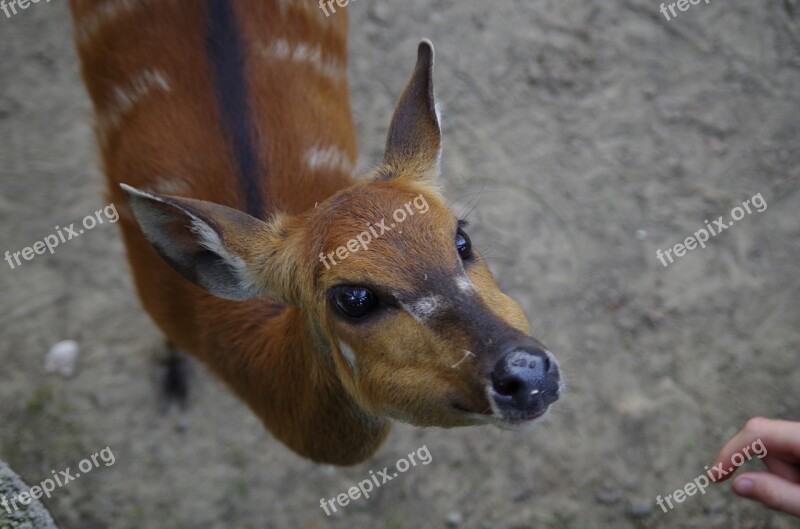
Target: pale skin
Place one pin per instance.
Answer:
(779, 487)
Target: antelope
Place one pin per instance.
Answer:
(227, 141)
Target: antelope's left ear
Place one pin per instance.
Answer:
(222, 250)
(414, 144)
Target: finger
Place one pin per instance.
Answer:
(782, 469)
(761, 436)
(774, 492)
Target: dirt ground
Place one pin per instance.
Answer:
(582, 137)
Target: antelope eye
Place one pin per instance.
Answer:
(463, 244)
(354, 302)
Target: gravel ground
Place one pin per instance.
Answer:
(583, 138)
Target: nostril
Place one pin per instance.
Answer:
(525, 380)
(507, 386)
(517, 374)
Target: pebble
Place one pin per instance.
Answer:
(640, 508)
(380, 11)
(607, 496)
(717, 145)
(715, 507)
(62, 358)
(653, 318)
(455, 519)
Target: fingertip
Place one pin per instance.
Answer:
(770, 490)
(744, 485)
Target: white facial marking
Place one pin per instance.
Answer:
(425, 308)
(348, 354)
(464, 285)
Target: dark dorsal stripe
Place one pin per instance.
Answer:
(226, 53)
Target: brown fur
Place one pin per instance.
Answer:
(281, 354)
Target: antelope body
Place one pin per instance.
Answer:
(227, 140)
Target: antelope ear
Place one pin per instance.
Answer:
(414, 144)
(222, 250)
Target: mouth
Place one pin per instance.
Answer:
(505, 421)
(515, 419)
(519, 425)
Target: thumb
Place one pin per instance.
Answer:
(771, 490)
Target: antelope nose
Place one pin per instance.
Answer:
(526, 380)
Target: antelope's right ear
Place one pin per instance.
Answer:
(414, 143)
(222, 250)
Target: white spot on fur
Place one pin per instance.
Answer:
(331, 157)
(464, 285)
(309, 8)
(280, 49)
(126, 96)
(105, 13)
(425, 308)
(348, 354)
(173, 186)
(308, 54)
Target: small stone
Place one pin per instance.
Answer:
(523, 495)
(717, 145)
(654, 319)
(641, 234)
(671, 109)
(454, 519)
(640, 508)
(62, 358)
(627, 322)
(716, 507)
(380, 11)
(607, 496)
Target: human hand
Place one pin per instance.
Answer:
(779, 443)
